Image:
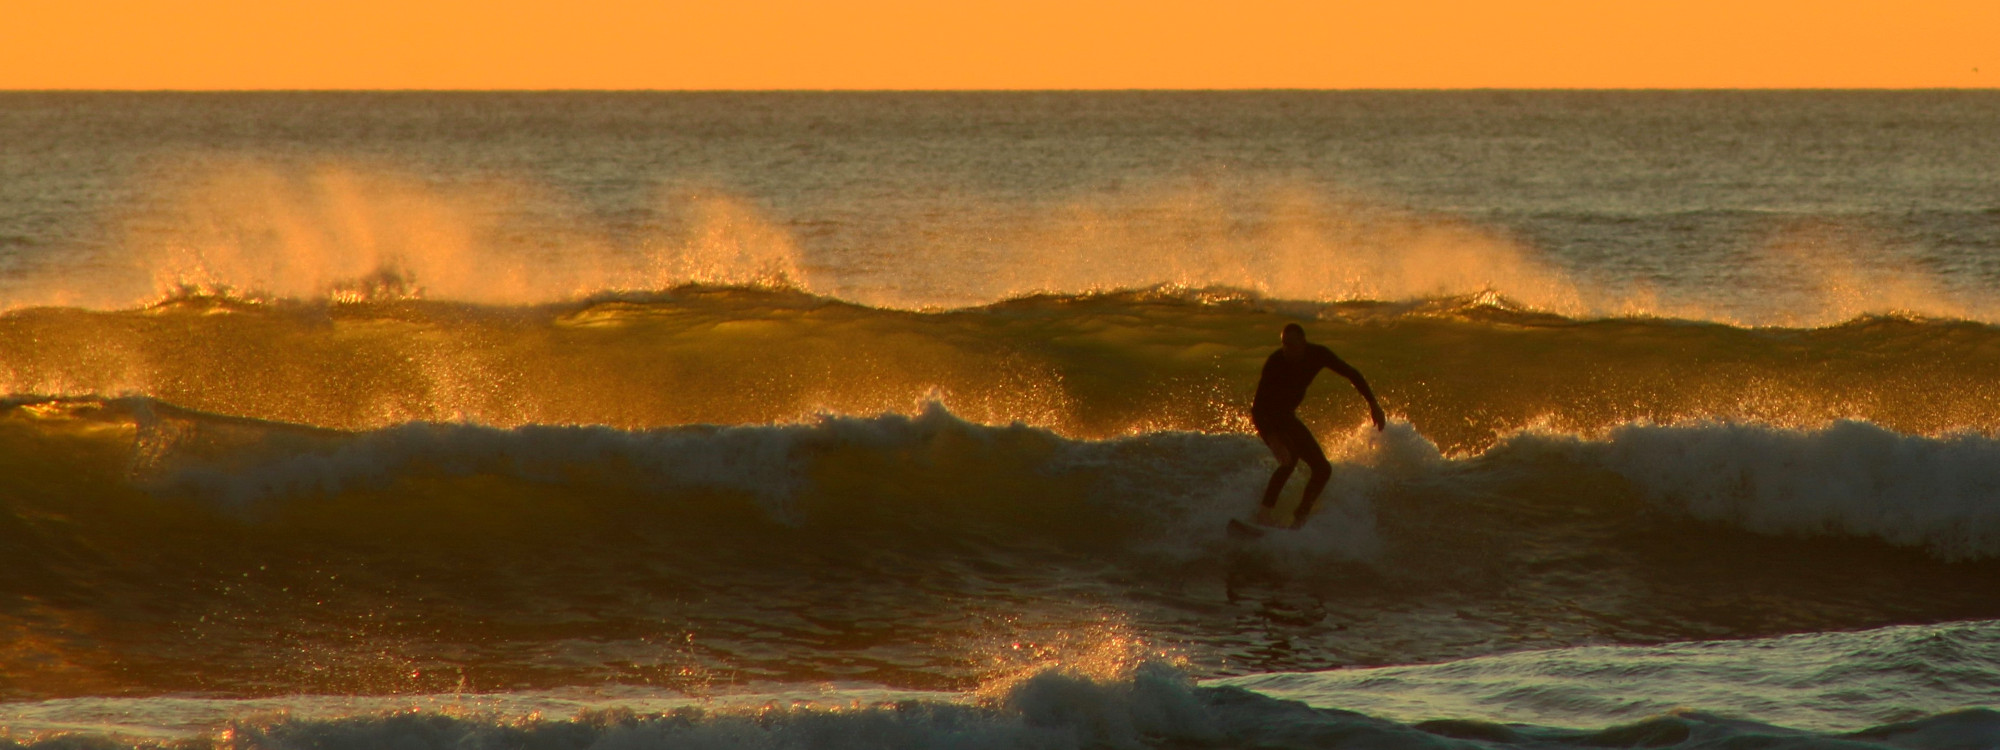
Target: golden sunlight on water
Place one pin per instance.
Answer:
(349, 234)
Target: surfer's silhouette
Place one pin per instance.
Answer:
(1279, 391)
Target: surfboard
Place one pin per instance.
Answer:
(1240, 529)
(1257, 525)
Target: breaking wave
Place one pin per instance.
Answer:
(1150, 705)
(1464, 371)
(1941, 494)
(340, 232)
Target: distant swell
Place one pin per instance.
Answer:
(341, 232)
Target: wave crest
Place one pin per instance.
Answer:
(349, 233)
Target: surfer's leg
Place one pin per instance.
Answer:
(1321, 472)
(1287, 461)
(1277, 484)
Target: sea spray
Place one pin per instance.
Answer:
(1464, 371)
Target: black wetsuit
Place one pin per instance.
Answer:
(1282, 388)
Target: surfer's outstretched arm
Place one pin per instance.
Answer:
(1346, 370)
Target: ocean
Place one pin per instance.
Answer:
(914, 420)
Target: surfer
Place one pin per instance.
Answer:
(1279, 391)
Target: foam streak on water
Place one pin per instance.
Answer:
(1149, 704)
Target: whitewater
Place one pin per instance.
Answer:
(914, 420)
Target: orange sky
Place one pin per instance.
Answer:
(987, 44)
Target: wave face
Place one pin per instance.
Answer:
(1464, 371)
(150, 548)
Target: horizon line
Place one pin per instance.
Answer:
(1100, 90)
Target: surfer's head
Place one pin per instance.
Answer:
(1294, 340)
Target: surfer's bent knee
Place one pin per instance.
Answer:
(1284, 455)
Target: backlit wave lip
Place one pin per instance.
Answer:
(386, 293)
(356, 234)
(1464, 370)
